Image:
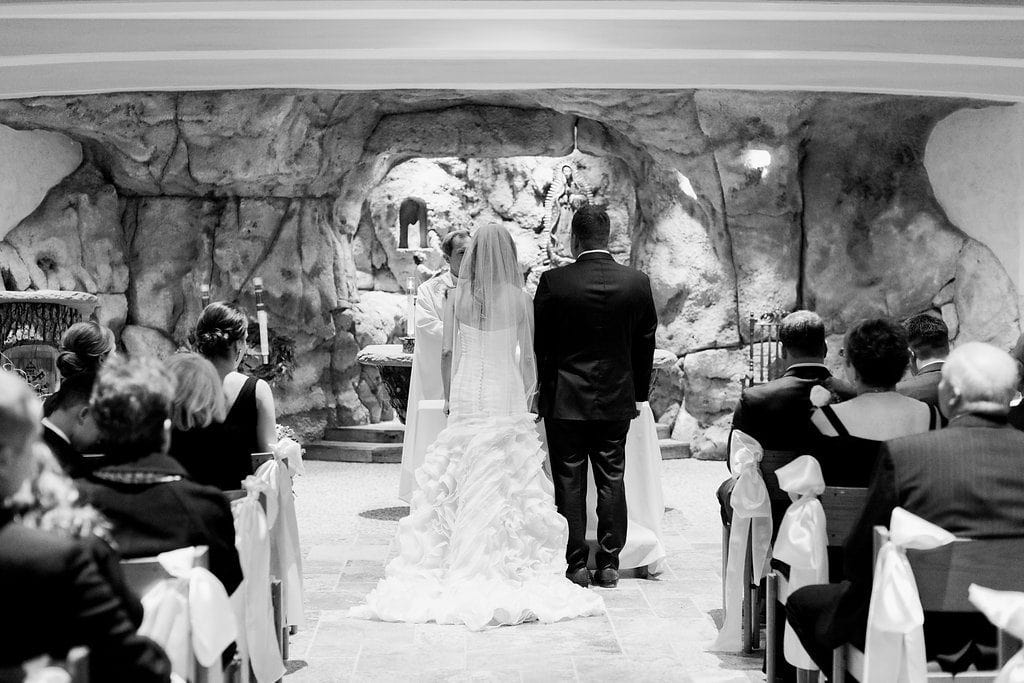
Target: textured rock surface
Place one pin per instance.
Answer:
(31, 162)
(733, 202)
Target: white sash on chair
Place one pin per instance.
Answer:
(190, 613)
(894, 650)
(286, 557)
(802, 542)
(257, 637)
(1005, 609)
(751, 519)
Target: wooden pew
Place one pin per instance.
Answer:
(142, 574)
(842, 505)
(943, 577)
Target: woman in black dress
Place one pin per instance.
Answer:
(851, 432)
(198, 438)
(249, 425)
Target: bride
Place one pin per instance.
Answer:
(483, 544)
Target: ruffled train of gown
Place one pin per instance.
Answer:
(483, 544)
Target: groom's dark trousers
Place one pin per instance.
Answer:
(595, 325)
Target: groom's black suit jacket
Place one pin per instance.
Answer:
(594, 339)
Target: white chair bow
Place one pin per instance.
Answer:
(286, 557)
(802, 542)
(894, 650)
(189, 614)
(1005, 609)
(751, 519)
(257, 639)
(290, 451)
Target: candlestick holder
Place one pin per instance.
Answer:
(408, 344)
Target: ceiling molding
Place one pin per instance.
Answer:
(939, 49)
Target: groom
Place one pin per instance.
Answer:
(595, 325)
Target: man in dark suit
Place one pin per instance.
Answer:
(595, 326)
(55, 596)
(928, 338)
(778, 413)
(967, 479)
(68, 427)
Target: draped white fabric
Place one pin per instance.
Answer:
(285, 554)
(751, 520)
(894, 651)
(1005, 609)
(425, 382)
(802, 542)
(188, 614)
(257, 637)
(645, 503)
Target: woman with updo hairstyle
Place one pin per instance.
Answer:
(84, 348)
(851, 432)
(250, 425)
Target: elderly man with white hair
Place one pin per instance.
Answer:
(967, 479)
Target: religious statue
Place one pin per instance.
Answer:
(568, 192)
(412, 210)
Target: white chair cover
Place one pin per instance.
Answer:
(894, 651)
(1005, 609)
(286, 557)
(189, 614)
(257, 637)
(802, 542)
(751, 519)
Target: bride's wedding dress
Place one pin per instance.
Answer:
(483, 544)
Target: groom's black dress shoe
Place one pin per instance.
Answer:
(581, 577)
(606, 578)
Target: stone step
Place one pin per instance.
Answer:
(674, 450)
(664, 431)
(383, 432)
(354, 451)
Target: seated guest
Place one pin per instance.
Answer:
(778, 413)
(146, 494)
(928, 339)
(55, 596)
(250, 422)
(84, 348)
(49, 501)
(851, 432)
(198, 438)
(967, 479)
(1016, 416)
(68, 428)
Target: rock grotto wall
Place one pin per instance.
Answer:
(734, 203)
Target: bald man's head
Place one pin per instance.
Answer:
(20, 413)
(977, 378)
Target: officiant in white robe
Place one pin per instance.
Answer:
(424, 416)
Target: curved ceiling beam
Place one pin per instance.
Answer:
(944, 49)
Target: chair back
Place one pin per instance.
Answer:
(258, 459)
(843, 506)
(771, 461)
(944, 574)
(143, 573)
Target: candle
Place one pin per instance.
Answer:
(261, 318)
(410, 318)
(204, 295)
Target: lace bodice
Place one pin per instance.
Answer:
(486, 379)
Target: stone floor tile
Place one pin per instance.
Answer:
(322, 670)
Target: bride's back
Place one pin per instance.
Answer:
(494, 370)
